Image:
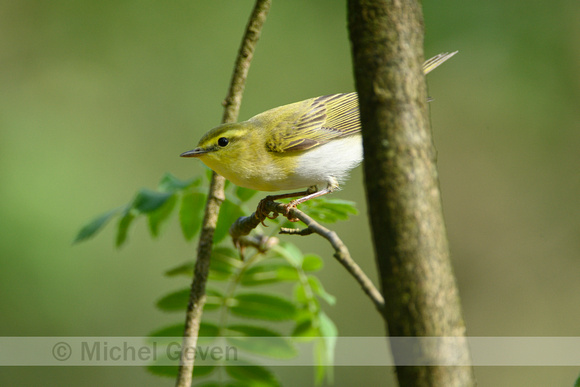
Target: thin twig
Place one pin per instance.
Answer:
(244, 225)
(296, 231)
(215, 198)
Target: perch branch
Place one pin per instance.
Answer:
(244, 225)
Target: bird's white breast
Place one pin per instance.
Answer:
(330, 162)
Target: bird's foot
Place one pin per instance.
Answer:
(262, 213)
(287, 208)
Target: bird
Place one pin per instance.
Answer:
(311, 144)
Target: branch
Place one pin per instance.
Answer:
(409, 234)
(244, 225)
(231, 104)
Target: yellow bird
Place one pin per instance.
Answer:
(312, 143)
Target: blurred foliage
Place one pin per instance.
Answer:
(257, 269)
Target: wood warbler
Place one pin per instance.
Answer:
(312, 143)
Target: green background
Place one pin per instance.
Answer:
(98, 99)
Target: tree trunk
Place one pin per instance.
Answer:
(412, 253)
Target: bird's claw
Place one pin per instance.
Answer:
(287, 208)
(262, 213)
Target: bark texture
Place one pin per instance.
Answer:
(412, 253)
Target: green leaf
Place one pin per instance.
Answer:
(171, 371)
(170, 355)
(345, 206)
(191, 213)
(304, 329)
(214, 299)
(312, 262)
(148, 200)
(330, 210)
(176, 330)
(323, 215)
(160, 215)
(261, 341)
(252, 375)
(183, 269)
(322, 368)
(123, 227)
(208, 174)
(253, 331)
(303, 294)
(163, 370)
(226, 383)
(269, 271)
(170, 183)
(577, 384)
(324, 348)
(224, 262)
(174, 301)
(177, 301)
(262, 306)
(317, 288)
(288, 274)
(94, 226)
(244, 194)
(202, 370)
(291, 253)
(207, 333)
(327, 329)
(229, 213)
(208, 330)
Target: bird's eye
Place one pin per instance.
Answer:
(223, 141)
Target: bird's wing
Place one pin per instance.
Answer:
(307, 124)
(324, 118)
(436, 61)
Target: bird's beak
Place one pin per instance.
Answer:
(194, 153)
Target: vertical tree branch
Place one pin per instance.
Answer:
(232, 104)
(402, 187)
